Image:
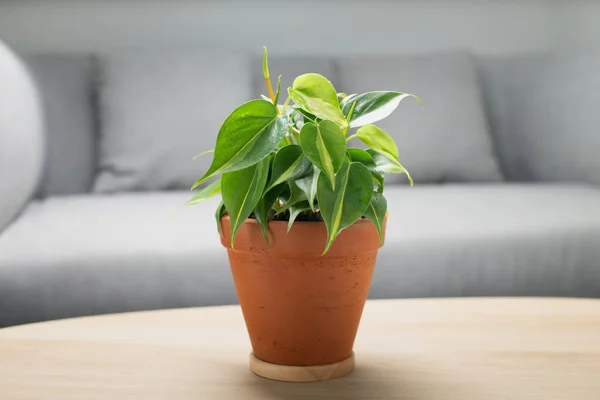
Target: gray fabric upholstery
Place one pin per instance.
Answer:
(496, 240)
(127, 252)
(159, 110)
(21, 136)
(446, 140)
(83, 255)
(544, 113)
(289, 68)
(65, 82)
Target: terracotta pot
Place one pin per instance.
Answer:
(302, 308)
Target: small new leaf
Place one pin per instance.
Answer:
(242, 191)
(308, 185)
(295, 210)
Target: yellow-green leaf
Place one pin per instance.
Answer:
(316, 95)
(377, 139)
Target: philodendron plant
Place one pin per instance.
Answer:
(292, 161)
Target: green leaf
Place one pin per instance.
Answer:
(292, 197)
(377, 139)
(342, 95)
(278, 90)
(289, 163)
(218, 215)
(388, 165)
(242, 191)
(295, 210)
(375, 213)
(363, 157)
(248, 135)
(316, 95)
(263, 208)
(325, 146)
(343, 206)
(373, 106)
(308, 185)
(206, 192)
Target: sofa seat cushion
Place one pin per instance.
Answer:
(446, 139)
(81, 255)
(488, 240)
(85, 255)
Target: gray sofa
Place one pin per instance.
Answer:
(504, 153)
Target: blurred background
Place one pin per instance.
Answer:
(104, 103)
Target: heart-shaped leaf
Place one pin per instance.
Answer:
(242, 190)
(377, 139)
(344, 205)
(361, 156)
(375, 213)
(324, 145)
(316, 95)
(206, 192)
(388, 165)
(295, 210)
(308, 185)
(289, 163)
(250, 133)
(263, 208)
(292, 197)
(373, 106)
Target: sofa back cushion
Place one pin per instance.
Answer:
(545, 115)
(446, 139)
(158, 110)
(65, 84)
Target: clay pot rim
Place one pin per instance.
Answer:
(362, 220)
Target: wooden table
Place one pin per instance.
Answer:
(459, 349)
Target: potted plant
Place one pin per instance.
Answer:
(302, 217)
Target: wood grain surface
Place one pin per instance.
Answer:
(454, 349)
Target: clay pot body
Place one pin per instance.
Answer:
(302, 308)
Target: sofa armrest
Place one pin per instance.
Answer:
(21, 136)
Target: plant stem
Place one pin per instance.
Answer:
(294, 131)
(349, 138)
(270, 89)
(287, 101)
